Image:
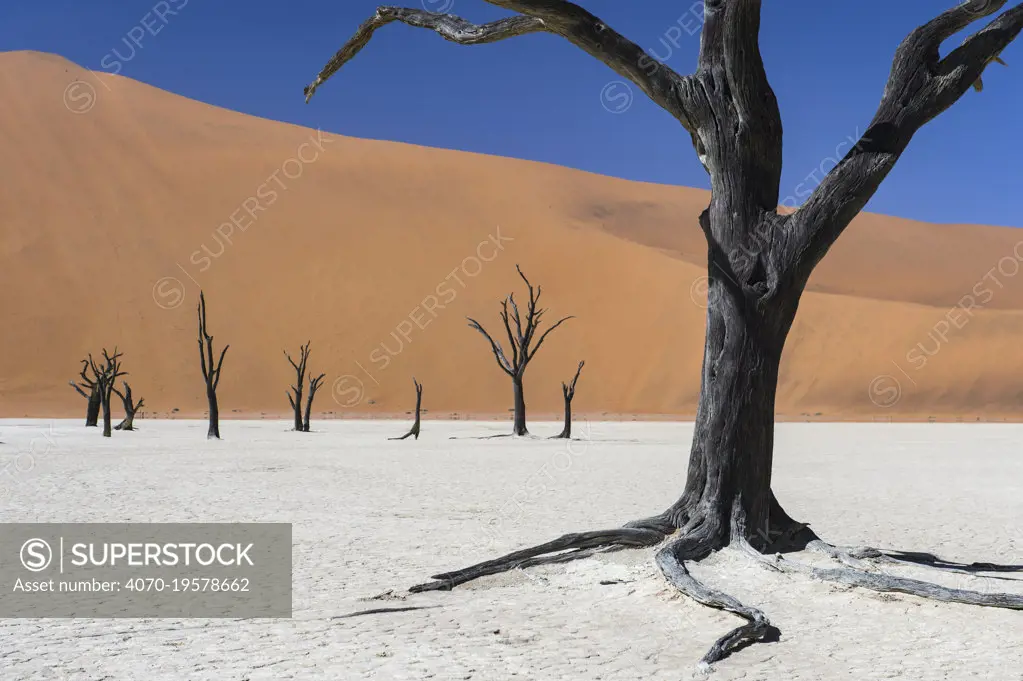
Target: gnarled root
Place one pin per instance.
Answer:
(696, 535)
(879, 581)
(671, 561)
(564, 548)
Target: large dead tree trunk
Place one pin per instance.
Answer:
(758, 263)
(295, 393)
(568, 390)
(419, 404)
(105, 375)
(210, 371)
(520, 341)
(131, 407)
(90, 391)
(314, 385)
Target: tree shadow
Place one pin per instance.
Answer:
(931, 560)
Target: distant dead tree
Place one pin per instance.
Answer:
(314, 385)
(210, 371)
(569, 391)
(130, 407)
(295, 393)
(419, 404)
(521, 342)
(88, 389)
(105, 376)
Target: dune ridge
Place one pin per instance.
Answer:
(114, 214)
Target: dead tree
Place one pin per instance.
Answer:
(419, 404)
(89, 389)
(295, 393)
(569, 392)
(314, 385)
(759, 261)
(520, 340)
(106, 375)
(131, 407)
(210, 371)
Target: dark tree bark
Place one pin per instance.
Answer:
(106, 375)
(419, 404)
(89, 389)
(520, 340)
(295, 393)
(131, 407)
(568, 389)
(758, 259)
(210, 371)
(314, 385)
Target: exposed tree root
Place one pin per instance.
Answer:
(567, 547)
(930, 560)
(697, 538)
(884, 583)
(849, 557)
(671, 561)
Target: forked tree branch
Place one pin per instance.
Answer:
(547, 333)
(502, 359)
(569, 388)
(921, 86)
(566, 19)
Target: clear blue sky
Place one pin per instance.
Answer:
(537, 97)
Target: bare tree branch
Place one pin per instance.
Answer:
(314, 385)
(584, 30)
(220, 363)
(547, 333)
(569, 389)
(512, 342)
(502, 360)
(921, 86)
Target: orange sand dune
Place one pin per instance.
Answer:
(112, 194)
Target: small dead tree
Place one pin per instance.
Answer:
(106, 376)
(521, 342)
(314, 385)
(88, 389)
(295, 392)
(569, 391)
(130, 407)
(210, 371)
(419, 404)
